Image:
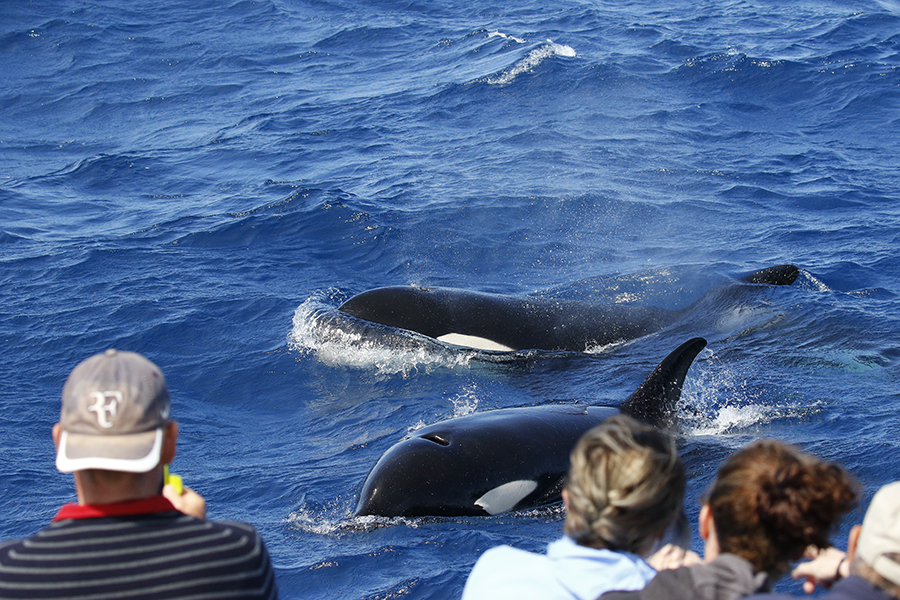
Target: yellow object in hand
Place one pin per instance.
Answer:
(173, 479)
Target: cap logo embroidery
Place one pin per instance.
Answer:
(105, 405)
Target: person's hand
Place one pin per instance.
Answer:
(827, 566)
(671, 556)
(189, 502)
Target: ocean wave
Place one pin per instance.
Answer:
(506, 37)
(534, 58)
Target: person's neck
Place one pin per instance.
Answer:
(711, 547)
(98, 487)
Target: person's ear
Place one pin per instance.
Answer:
(565, 497)
(852, 540)
(703, 525)
(57, 432)
(170, 440)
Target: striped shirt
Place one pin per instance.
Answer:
(137, 550)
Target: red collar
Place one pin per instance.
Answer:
(144, 506)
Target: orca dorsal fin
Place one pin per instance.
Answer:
(777, 275)
(654, 401)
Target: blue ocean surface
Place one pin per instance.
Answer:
(202, 181)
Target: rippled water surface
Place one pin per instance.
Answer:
(206, 182)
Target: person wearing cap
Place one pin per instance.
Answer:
(870, 569)
(129, 535)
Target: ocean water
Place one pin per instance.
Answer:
(205, 182)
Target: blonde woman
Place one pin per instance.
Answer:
(625, 487)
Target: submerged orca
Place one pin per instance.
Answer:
(505, 323)
(505, 459)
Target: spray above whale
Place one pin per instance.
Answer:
(508, 323)
(506, 459)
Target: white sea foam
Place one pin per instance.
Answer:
(416, 426)
(718, 401)
(319, 331)
(602, 348)
(728, 419)
(808, 281)
(506, 37)
(532, 60)
(333, 520)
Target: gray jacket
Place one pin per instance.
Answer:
(728, 577)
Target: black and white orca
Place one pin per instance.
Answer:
(497, 322)
(506, 459)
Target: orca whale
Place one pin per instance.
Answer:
(498, 322)
(505, 459)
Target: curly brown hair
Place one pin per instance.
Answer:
(770, 501)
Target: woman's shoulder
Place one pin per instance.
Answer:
(508, 557)
(507, 571)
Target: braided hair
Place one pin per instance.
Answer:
(626, 485)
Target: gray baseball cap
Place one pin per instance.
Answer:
(115, 408)
(879, 540)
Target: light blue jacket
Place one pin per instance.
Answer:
(567, 571)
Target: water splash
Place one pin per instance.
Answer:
(808, 281)
(337, 339)
(715, 400)
(466, 402)
(333, 520)
(719, 401)
(603, 348)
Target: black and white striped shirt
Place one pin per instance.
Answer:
(137, 550)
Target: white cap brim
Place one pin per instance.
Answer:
(134, 453)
